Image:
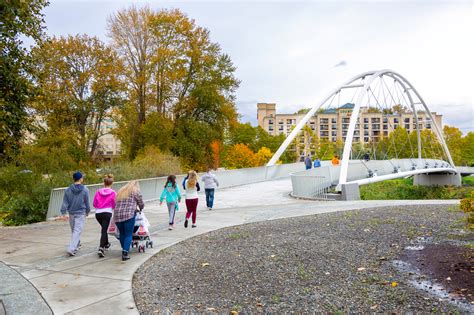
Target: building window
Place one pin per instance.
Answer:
(313, 128)
(366, 132)
(270, 128)
(376, 126)
(366, 126)
(375, 120)
(334, 139)
(420, 118)
(345, 126)
(270, 121)
(428, 125)
(395, 126)
(333, 120)
(407, 120)
(280, 128)
(323, 120)
(334, 133)
(385, 119)
(356, 133)
(366, 139)
(280, 122)
(407, 126)
(323, 133)
(395, 120)
(385, 133)
(346, 120)
(366, 120)
(385, 126)
(334, 127)
(355, 139)
(324, 127)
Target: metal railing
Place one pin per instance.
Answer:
(151, 187)
(312, 184)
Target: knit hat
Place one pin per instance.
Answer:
(77, 176)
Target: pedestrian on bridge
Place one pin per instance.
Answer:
(335, 161)
(173, 197)
(210, 184)
(76, 203)
(104, 204)
(317, 163)
(129, 198)
(308, 163)
(192, 198)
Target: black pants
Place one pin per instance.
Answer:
(104, 220)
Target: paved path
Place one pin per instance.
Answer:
(86, 284)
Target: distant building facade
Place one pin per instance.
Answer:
(332, 124)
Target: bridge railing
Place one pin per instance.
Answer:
(151, 187)
(312, 184)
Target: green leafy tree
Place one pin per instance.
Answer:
(467, 152)
(19, 19)
(454, 141)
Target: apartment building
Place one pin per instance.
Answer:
(109, 146)
(332, 124)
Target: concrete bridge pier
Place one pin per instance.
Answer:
(436, 179)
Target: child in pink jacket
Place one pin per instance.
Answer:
(104, 204)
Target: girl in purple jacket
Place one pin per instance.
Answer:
(104, 204)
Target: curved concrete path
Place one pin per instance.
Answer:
(86, 284)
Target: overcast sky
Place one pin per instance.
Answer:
(286, 52)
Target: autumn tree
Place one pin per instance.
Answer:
(239, 156)
(19, 20)
(262, 156)
(177, 72)
(78, 77)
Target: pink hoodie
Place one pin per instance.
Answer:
(104, 200)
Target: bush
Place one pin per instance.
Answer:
(150, 162)
(24, 196)
(404, 189)
(467, 205)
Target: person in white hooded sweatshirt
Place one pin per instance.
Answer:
(210, 184)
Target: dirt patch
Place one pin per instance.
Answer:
(448, 264)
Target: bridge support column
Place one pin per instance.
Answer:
(350, 191)
(437, 179)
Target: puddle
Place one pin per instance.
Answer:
(420, 281)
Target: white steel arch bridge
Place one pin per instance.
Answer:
(382, 92)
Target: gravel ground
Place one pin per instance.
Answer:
(334, 262)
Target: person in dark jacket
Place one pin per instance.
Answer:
(186, 178)
(76, 203)
(308, 163)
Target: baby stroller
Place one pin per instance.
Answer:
(141, 234)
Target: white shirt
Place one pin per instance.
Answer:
(191, 192)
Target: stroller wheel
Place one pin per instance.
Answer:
(151, 244)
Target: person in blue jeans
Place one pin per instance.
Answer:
(210, 184)
(128, 199)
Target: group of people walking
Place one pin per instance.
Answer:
(317, 163)
(121, 207)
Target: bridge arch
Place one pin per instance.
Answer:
(364, 85)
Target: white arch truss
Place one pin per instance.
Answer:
(362, 83)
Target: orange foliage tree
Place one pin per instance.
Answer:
(239, 156)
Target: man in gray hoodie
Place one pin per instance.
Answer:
(76, 203)
(210, 185)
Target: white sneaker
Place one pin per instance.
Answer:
(209, 209)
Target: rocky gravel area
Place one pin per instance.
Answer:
(335, 262)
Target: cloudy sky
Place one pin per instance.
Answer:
(293, 53)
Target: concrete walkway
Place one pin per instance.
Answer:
(86, 284)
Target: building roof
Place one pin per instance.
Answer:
(347, 106)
